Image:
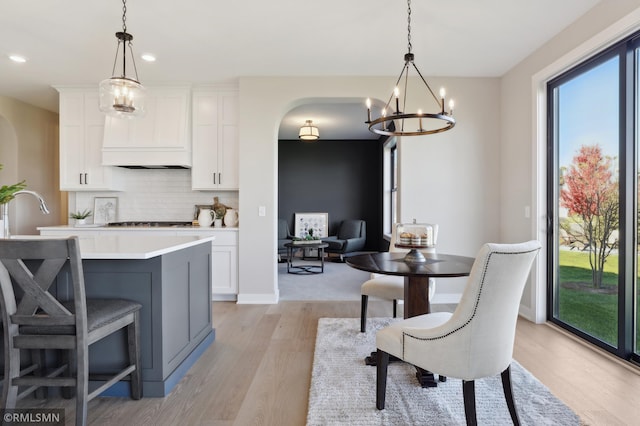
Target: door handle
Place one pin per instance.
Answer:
(214, 178)
(85, 179)
(219, 178)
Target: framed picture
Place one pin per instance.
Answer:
(105, 209)
(305, 222)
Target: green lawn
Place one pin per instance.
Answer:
(595, 313)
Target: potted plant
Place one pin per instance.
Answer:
(218, 213)
(81, 216)
(7, 192)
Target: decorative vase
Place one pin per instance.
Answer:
(217, 223)
(81, 221)
(204, 217)
(231, 218)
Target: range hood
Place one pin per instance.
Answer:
(155, 167)
(146, 158)
(159, 140)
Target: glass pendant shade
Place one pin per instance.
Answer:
(309, 132)
(122, 97)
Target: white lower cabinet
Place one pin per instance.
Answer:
(224, 250)
(224, 265)
(224, 261)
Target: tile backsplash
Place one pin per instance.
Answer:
(154, 195)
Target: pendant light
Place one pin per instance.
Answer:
(122, 96)
(401, 122)
(308, 132)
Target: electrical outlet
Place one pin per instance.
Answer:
(262, 211)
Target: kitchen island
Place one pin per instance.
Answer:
(224, 249)
(171, 278)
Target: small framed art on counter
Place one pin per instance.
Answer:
(105, 210)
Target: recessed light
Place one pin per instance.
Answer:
(18, 58)
(148, 57)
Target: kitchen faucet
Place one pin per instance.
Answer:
(4, 211)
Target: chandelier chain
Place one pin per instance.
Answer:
(409, 25)
(124, 16)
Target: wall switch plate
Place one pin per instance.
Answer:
(262, 211)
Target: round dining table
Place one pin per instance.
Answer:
(416, 275)
(416, 284)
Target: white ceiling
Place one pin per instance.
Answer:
(215, 41)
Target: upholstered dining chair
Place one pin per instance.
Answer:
(34, 319)
(475, 341)
(390, 287)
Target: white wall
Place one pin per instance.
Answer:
(29, 151)
(522, 154)
(460, 167)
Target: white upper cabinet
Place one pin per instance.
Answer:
(161, 138)
(215, 140)
(81, 135)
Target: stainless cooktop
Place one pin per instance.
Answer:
(149, 224)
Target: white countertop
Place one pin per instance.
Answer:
(103, 228)
(129, 246)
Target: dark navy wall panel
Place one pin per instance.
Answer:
(341, 178)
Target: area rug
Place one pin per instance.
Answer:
(343, 388)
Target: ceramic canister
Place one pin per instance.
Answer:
(231, 218)
(204, 217)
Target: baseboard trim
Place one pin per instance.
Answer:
(224, 297)
(257, 299)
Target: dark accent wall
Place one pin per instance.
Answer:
(341, 178)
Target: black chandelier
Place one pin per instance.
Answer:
(402, 123)
(122, 96)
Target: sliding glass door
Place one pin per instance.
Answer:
(593, 203)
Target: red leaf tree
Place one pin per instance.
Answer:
(590, 193)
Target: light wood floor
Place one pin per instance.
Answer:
(258, 372)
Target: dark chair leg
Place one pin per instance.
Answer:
(363, 313)
(508, 395)
(38, 357)
(133, 338)
(68, 359)
(469, 394)
(382, 363)
(395, 308)
(82, 383)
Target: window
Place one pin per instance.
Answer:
(390, 196)
(593, 204)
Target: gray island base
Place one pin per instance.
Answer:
(172, 280)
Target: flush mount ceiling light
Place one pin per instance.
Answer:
(401, 122)
(122, 96)
(149, 57)
(18, 58)
(308, 132)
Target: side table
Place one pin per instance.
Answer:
(305, 268)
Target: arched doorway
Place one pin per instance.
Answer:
(339, 174)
